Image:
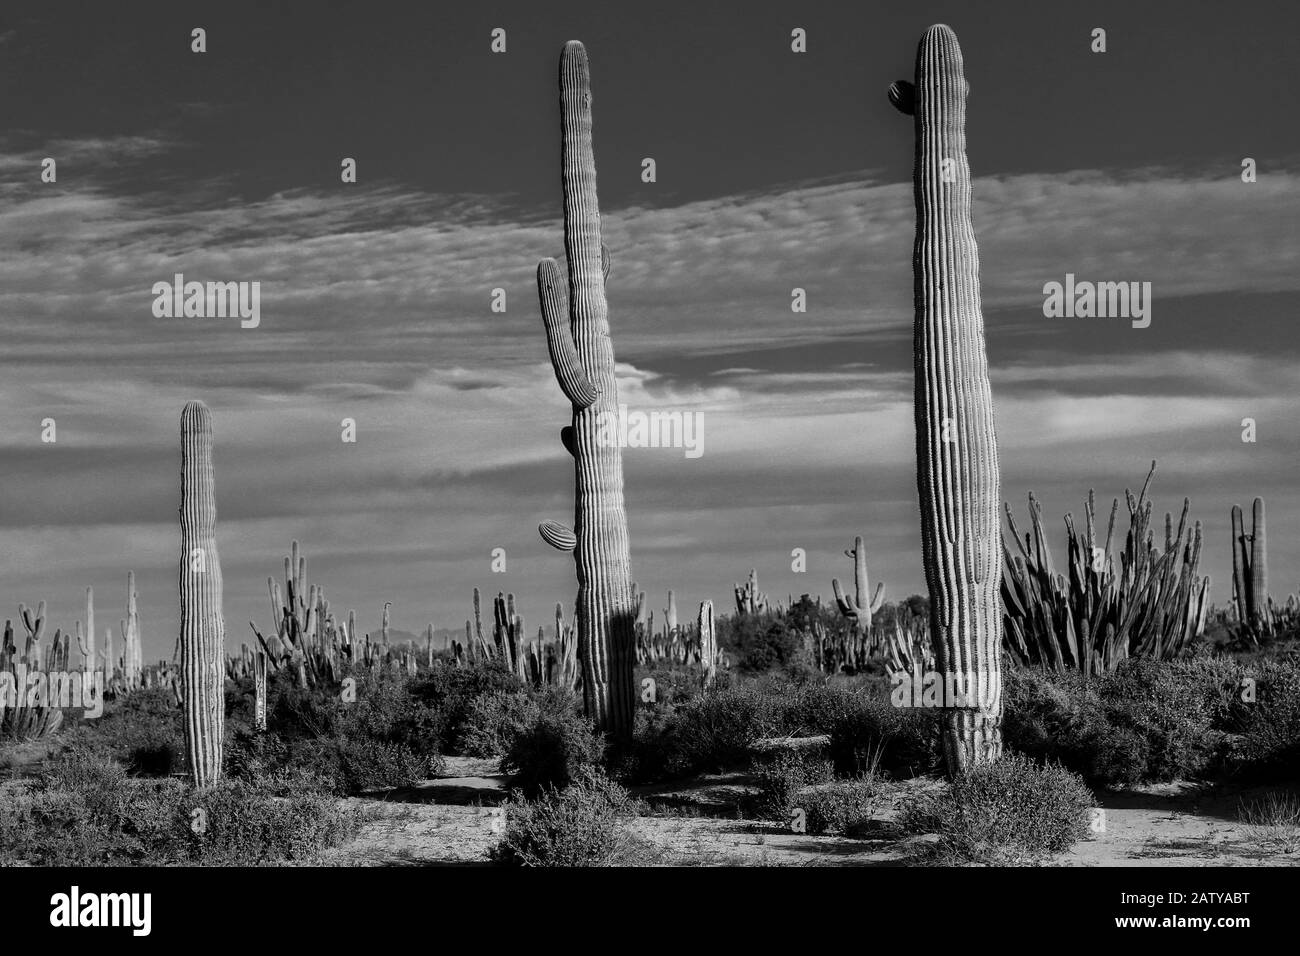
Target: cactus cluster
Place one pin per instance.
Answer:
(956, 444)
(582, 356)
(1153, 604)
(749, 599)
(681, 644)
(308, 640)
(538, 662)
(29, 716)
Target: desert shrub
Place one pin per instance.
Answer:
(1147, 721)
(1269, 745)
(345, 765)
(86, 811)
(552, 752)
(387, 738)
(1167, 705)
(709, 734)
(782, 776)
(761, 643)
(370, 764)
(808, 707)
(387, 710)
(842, 807)
(142, 731)
(246, 824)
(580, 825)
(675, 686)
(1003, 811)
(451, 692)
(493, 722)
(249, 754)
(867, 732)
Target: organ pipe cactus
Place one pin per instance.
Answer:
(1250, 572)
(582, 355)
(202, 638)
(1148, 603)
(956, 445)
(860, 607)
(749, 599)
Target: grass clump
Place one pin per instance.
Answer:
(1272, 820)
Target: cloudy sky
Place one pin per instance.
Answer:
(776, 170)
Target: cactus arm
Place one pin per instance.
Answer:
(878, 600)
(558, 536)
(846, 604)
(902, 94)
(569, 373)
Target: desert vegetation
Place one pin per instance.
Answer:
(990, 721)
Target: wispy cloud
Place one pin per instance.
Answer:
(376, 306)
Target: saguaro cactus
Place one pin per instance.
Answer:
(956, 445)
(1250, 571)
(202, 626)
(87, 642)
(861, 606)
(670, 615)
(132, 658)
(582, 354)
(708, 645)
(259, 690)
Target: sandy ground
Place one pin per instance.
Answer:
(456, 820)
(451, 821)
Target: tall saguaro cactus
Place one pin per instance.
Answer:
(582, 354)
(956, 445)
(202, 626)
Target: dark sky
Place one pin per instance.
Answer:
(775, 170)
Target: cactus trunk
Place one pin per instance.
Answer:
(582, 355)
(1260, 620)
(708, 646)
(956, 446)
(202, 626)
